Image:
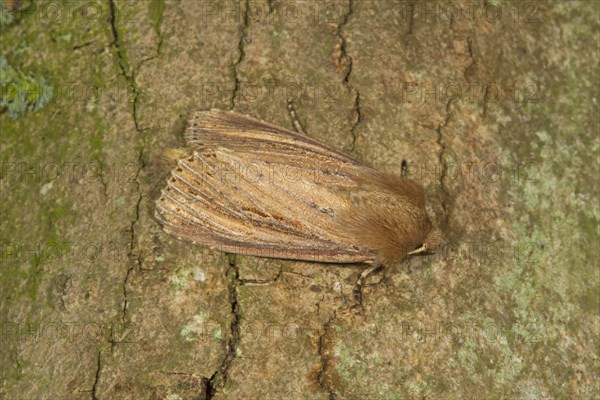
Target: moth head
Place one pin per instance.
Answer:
(430, 243)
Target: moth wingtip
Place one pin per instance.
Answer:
(175, 154)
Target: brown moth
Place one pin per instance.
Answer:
(249, 187)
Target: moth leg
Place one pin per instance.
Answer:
(295, 121)
(358, 287)
(368, 272)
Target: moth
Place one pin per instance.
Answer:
(248, 187)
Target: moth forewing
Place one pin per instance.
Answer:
(212, 199)
(253, 188)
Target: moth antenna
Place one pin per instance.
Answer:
(404, 168)
(421, 249)
(295, 121)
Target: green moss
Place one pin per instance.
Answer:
(58, 211)
(384, 393)
(349, 364)
(96, 144)
(6, 16)
(549, 296)
(217, 333)
(156, 10)
(196, 327)
(32, 283)
(180, 278)
(22, 92)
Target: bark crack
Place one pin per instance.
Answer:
(486, 100)
(470, 50)
(136, 258)
(130, 76)
(242, 54)
(219, 378)
(123, 66)
(442, 161)
(126, 71)
(97, 376)
(472, 69)
(472, 73)
(411, 17)
(325, 351)
(258, 282)
(345, 59)
(102, 181)
(160, 6)
(82, 45)
(63, 291)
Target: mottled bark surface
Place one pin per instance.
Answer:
(493, 104)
